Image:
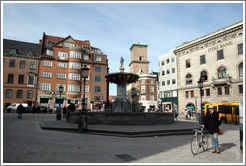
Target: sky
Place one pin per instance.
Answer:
(114, 27)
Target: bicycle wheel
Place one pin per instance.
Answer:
(205, 142)
(194, 145)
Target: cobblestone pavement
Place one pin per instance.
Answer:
(25, 142)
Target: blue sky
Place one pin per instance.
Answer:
(114, 27)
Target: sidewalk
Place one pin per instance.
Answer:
(177, 128)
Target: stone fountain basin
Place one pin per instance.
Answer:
(125, 118)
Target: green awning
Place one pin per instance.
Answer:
(60, 98)
(44, 97)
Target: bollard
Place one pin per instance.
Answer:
(82, 124)
(58, 115)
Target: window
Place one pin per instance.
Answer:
(207, 92)
(46, 74)
(98, 58)
(30, 53)
(86, 89)
(98, 98)
(97, 89)
(227, 90)
(162, 63)
(68, 45)
(167, 61)
(220, 55)
(188, 79)
(202, 92)
(19, 94)
(219, 90)
(204, 75)
(61, 75)
(187, 94)
(173, 81)
(74, 54)
(9, 93)
(11, 63)
(202, 59)
(142, 89)
(240, 49)
(21, 79)
(86, 57)
(152, 97)
(163, 73)
(143, 82)
(140, 58)
(62, 55)
(173, 70)
(151, 88)
(163, 83)
(61, 65)
(13, 51)
(240, 69)
(74, 65)
(143, 97)
(188, 63)
(192, 93)
(168, 71)
(222, 72)
(173, 59)
(74, 76)
(58, 85)
(31, 80)
(32, 65)
(98, 78)
(45, 86)
(98, 69)
(10, 78)
(240, 89)
(73, 88)
(29, 94)
(168, 82)
(22, 64)
(46, 63)
(50, 43)
(49, 52)
(151, 82)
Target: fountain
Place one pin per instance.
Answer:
(121, 104)
(121, 113)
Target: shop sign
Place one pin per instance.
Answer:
(220, 46)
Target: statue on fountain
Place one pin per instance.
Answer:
(122, 65)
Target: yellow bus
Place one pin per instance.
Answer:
(228, 111)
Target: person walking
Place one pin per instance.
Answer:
(20, 109)
(211, 122)
(175, 114)
(64, 112)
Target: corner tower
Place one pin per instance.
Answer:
(139, 62)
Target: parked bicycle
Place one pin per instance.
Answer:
(199, 140)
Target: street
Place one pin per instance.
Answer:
(25, 142)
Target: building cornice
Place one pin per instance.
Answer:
(143, 62)
(217, 34)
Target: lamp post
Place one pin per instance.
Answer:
(58, 115)
(82, 125)
(200, 86)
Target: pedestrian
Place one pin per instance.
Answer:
(175, 114)
(64, 112)
(211, 122)
(20, 110)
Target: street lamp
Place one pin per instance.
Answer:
(200, 86)
(82, 125)
(60, 90)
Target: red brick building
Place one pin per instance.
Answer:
(20, 72)
(61, 63)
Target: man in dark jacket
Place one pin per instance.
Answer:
(211, 121)
(20, 109)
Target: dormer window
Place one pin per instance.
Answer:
(49, 43)
(13, 51)
(30, 53)
(68, 45)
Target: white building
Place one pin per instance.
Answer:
(168, 93)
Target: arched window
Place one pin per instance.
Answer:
(240, 69)
(204, 75)
(222, 72)
(188, 79)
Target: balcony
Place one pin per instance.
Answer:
(221, 81)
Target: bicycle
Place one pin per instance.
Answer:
(199, 140)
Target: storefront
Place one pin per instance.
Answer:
(169, 104)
